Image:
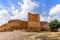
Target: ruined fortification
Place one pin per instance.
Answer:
(44, 26)
(33, 24)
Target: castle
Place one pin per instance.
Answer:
(33, 24)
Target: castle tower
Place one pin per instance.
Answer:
(33, 22)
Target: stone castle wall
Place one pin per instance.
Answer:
(44, 26)
(14, 24)
(33, 24)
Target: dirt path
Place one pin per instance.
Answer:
(19, 35)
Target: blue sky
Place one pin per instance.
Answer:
(18, 9)
(46, 5)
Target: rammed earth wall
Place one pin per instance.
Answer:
(33, 22)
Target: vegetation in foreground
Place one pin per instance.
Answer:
(54, 25)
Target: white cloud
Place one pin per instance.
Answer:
(53, 18)
(12, 7)
(4, 16)
(15, 12)
(20, 3)
(54, 13)
(42, 18)
(55, 10)
(26, 7)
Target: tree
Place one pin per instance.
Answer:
(58, 25)
(53, 25)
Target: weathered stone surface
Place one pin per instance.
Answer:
(33, 22)
(24, 24)
(18, 24)
(44, 26)
(33, 17)
(14, 24)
